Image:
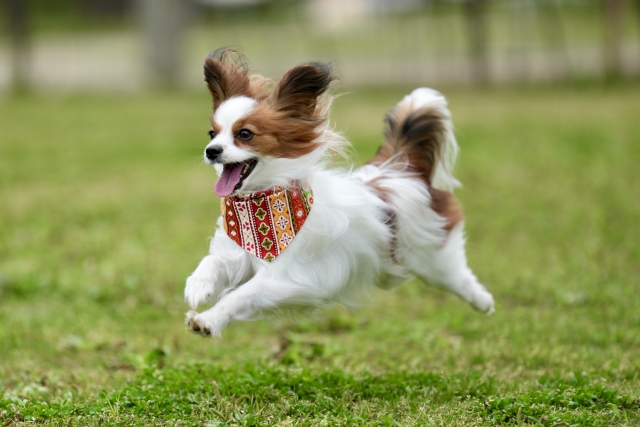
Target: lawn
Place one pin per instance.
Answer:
(106, 207)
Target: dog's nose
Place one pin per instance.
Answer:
(213, 152)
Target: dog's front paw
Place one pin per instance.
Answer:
(195, 323)
(207, 323)
(198, 291)
(483, 302)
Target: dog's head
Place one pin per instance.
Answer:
(263, 136)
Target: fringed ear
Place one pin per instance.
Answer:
(298, 91)
(226, 72)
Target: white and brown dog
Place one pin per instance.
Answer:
(294, 233)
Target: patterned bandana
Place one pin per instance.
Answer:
(265, 222)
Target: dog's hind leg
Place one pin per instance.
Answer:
(445, 267)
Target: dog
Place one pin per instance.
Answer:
(295, 233)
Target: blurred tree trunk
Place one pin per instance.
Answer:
(17, 13)
(522, 19)
(613, 25)
(163, 23)
(556, 40)
(476, 18)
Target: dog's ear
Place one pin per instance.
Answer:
(298, 91)
(226, 72)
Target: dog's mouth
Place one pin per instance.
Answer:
(233, 175)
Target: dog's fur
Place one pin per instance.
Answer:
(379, 225)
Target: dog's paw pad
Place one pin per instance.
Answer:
(195, 323)
(190, 321)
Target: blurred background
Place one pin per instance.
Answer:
(128, 45)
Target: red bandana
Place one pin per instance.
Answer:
(265, 222)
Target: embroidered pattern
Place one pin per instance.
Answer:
(264, 223)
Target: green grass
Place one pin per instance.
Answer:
(105, 208)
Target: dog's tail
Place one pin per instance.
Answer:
(419, 132)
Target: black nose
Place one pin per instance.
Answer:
(213, 152)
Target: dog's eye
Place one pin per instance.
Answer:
(212, 134)
(245, 134)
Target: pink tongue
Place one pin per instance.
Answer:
(229, 178)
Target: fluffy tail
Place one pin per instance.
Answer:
(419, 131)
